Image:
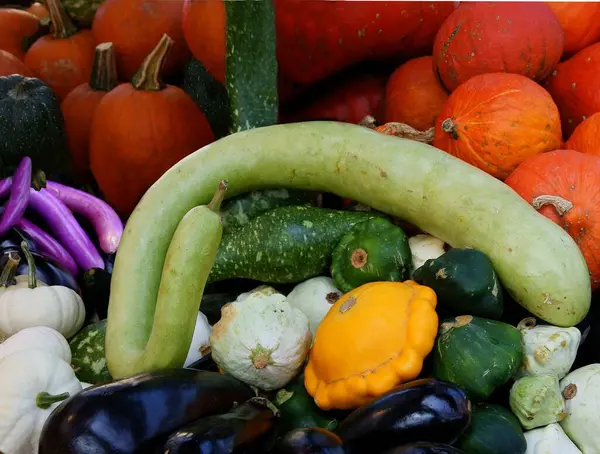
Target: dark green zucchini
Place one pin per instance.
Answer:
(310, 440)
(284, 245)
(477, 354)
(427, 448)
(374, 250)
(425, 409)
(493, 430)
(465, 283)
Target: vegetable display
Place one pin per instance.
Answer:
(9, 64)
(585, 136)
(16, 28)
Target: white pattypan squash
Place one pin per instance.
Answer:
(200, 341)
(548, 349)
(549, 440)
(261, 340)
(261, 290)
(314, 297)
(424, 247)
(41, 337)
(32, 384)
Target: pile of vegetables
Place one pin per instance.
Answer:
(284, 227)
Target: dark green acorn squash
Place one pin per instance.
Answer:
(31, 124)
(465, 283)
(477, 354)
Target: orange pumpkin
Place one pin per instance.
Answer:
(563, 186)
(80, 104)
(579, 21)
(586, 137)
(16, 27)
(135, 26)
(372, 339)
(9, 64)
(64, 59)
(140, 130)
(496, 121)
(38, 10)
(414, 95)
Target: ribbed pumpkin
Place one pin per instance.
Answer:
(485, 37)
(16, 27)
(64, 59)
(579, 21)
(135, 26)
(563, 186)
(9, 64)
(496, 121)
(372, 339)
(80, 104)
(586, 137)
(413, 94)
(141, 129)
(575, 87)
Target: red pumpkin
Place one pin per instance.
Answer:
(586, 137)
(140, 130)
(38, 10)
(575, 87)
(496, 121)
(483, 37)
(16, 27)
(413, 95)
(9, 64)
(563, 186)
(580, 22)
(135, 26)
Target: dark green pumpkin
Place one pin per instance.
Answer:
(465, 282)
(493, 430)
(477, 354)
(373, 250)
(31, 124)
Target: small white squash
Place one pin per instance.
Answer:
(424, 247)
(32, 384)
(314, 297)
(549, 440)
(537, 401)
(41, 337)
(200, 341)
(261, 340)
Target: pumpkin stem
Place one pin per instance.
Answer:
(405, 131)
(104, 71)
(449, 127)
(44, 400)
(215, 203)
(526, 323)
(148, 76)
(62, 25)
(368, 122)
(8, 273)
(562, 206)
(570, 391)
(30, 264)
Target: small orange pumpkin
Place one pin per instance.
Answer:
(38, 10)
(372, 339)
(586, 137)
(9, 64)
(17, 27)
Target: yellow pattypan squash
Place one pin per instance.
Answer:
(371, 340)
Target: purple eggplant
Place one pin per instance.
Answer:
(18, 198)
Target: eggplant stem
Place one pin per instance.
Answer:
(8, 273)
(30, 264)
(44, 400)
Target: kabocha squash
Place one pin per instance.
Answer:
(496, 121)
(17, 28)
(80, 104)
(371, 340)
(414, 95)
(9, 64)
(164, 125)
(575, 87)
(64, 59)
(150, 20)
(579, 21)
(562, 185)
(586, 136)
(485, 37)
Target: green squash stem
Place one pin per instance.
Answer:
(104, 71)
(44, 400)
(31, 264)
(8, 273)
(62, 26)
(148, 76)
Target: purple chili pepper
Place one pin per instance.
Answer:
(19, 196)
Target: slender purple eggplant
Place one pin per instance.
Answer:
(5, 185)
(18, 198)
(105, 220)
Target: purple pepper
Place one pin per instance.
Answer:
(19, 196)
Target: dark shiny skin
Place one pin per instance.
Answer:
(422, 410)
(426, 448)
(310, 440)
(136, 414)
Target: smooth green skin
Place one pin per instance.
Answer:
(438, 193)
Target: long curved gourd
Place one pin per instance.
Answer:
(538, 263)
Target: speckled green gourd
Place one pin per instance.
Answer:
(87, 354)
(284, 245)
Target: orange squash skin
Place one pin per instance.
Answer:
(586, 137)
(38, 10)
(15, 27)
(579, 21)
(486, 37)
(372, 339)
(9, 64)
(496, 121)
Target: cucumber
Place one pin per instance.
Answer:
(284, 245)
(536, 260)
(87, 354)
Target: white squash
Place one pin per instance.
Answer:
(537, 401)
(581, 389)
(424, 247)
(41, 337)
(261, 340)
(548, 349)
(549, 440)
(32, 384)
(261, 290)
(200, 341)
(314, 297)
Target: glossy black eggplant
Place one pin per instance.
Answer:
(95, 289)
(422, 410)
(125, 416)
(309, 440)
(205, 363)
(426, 448)
(245, 429)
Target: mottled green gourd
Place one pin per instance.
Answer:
(87, 350)
(374, 250)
